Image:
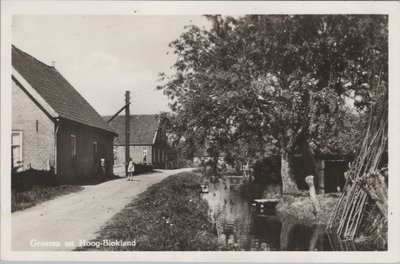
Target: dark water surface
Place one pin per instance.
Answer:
(240, 226)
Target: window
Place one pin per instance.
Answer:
(95, 152)
(95, 148)
(16, 148)
(144, 155)
(73, 146)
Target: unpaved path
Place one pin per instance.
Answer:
(77, 216)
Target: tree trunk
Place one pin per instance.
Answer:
(289, 185)
(315, 237)
(308, 157)
(286, 230)
(313, 196)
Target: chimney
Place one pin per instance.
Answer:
(53, 64)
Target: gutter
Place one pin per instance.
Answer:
(56, 125)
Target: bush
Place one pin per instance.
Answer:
(272, 191)
(199, 170)
(267, 180)
(267, 171)
(299, 207)
(251, 190)
(232, 171)
(143, 168)
(25, 180)
(209, 172)
(38, 194)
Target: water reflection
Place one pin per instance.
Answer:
(230, 215)
(239, 226)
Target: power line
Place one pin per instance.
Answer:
(109, 34)
(110, 25)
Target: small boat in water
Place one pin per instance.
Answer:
(266, 206)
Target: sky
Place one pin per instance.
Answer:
(104, 56)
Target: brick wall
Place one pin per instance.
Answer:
(37, 130)
(136, 153)
(155, 153)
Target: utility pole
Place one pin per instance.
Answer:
(127, 130)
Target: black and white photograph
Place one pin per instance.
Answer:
(209, 130)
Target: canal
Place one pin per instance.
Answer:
(240, 226)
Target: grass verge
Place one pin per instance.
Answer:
(168, 216)
(21, 200)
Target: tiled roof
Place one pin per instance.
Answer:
(56, 90)
(142, 129)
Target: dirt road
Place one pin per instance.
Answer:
(67, 221)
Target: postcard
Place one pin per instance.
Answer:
(200, 131)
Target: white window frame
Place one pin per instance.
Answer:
(20, 145)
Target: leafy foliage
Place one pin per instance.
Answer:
(263, 84)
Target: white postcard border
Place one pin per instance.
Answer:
(136, 8)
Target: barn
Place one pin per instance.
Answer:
(53, 126)
(147, 142)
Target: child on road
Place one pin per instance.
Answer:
(131, 169)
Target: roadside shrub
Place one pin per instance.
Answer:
(142, 168)
(38, 194)
(25, 180)
(31, 187)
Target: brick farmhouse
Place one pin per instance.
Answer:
(53, 126)
(147, 141)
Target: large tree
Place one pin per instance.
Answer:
(280, 81)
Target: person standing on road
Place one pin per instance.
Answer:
(131, 169)
(103, 170)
